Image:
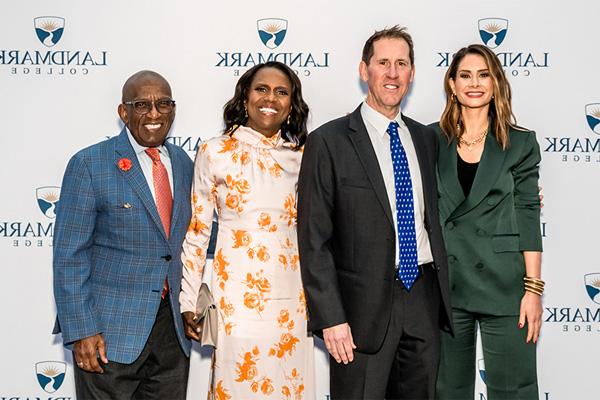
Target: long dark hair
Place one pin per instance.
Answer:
(295, 130)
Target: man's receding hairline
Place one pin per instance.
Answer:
(139, 78)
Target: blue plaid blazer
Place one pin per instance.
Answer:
(111, 254)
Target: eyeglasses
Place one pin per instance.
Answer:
(143, 107)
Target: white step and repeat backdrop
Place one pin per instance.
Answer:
(60, 93)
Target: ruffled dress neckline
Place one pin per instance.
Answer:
(256, 139)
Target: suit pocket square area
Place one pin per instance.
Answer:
(356, 183)
(207, 316)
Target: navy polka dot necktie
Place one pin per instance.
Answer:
(405, 214)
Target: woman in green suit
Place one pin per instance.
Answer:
(490, 214)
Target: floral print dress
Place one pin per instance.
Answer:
(263, 349)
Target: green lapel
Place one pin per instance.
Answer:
(489, 168)
(447, 173)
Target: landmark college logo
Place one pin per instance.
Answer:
(523, 62)
(39, 231)
(49, 29)
(579, 149)
(272, 31)
(49, 60)
(50, 375)
(47, 198)
(576, 318)
(493, 31)
(592, 114)
(592, 286)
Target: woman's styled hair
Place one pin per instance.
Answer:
(293, 129)
(500, 111)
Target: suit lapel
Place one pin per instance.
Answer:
(179, 194)
(366, 154)
(420, 146)
(487, 173)
(448, 174)
(135, 177)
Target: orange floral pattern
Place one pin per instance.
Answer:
(263, 349)
(220, 265)
(226, 307)
(291, 213)
(246, 369)
(287, 344)
(295, 388)
(264, 222)
(220, 393)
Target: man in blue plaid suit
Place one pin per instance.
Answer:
(117, 271)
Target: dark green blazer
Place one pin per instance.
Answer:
(486, 232)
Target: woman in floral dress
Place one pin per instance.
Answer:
(249, 177)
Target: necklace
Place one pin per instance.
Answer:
(471, 143)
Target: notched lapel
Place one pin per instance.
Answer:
(448, 174)
(489, 168)
(135, 177)
(366, 154)
(421, 149)
(179, 192)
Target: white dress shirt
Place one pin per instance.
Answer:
(377, 125)
(146, 162)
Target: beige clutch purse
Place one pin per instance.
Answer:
(207, 316)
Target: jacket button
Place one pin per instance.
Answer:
(480, 232)
(450, 225)
(491, 202)
(451, 258)
(167, 257)
(479, 265)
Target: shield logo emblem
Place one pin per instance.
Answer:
(481, 369)
(272, 31)
(49, 30)
(493, 31)
(50, 375)
(592, 286)
(47, 198)
(592, 114)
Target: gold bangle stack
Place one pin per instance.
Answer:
(534, 285)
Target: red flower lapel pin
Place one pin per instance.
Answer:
(124, 164)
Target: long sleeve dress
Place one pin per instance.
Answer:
(263, 349)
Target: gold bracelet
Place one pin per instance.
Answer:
(534, 285)
(536, 291)
(534, 280)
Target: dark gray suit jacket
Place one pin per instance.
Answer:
(346, 231)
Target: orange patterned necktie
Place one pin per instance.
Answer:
(164, 199)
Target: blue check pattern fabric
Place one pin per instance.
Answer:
(405, 215)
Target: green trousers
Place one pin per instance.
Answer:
(510, 363)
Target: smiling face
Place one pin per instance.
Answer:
(473, 84)
(268, 101)
(151, 129)
(388, 74)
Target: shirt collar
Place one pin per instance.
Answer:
(379, 121)
(139, 149)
